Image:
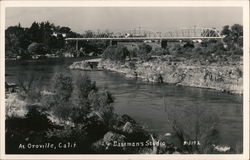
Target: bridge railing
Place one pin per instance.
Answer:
(196, 32)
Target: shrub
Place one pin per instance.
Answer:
(143, 53)
(175, 49)
(189, 44)
(81, 102)
(132, 52)
(37, 48)
(75, 103)
(116, 53)
(28, 86)
(237, 51)
(160, 52)
(84, 86)
(62, 86)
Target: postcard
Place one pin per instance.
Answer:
(125, 80)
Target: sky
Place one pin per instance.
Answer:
(114, 19)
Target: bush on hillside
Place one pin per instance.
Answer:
(75, 107)
(210, 51)
(62, 87)
(143, 52)
(38, 48)
(116, 53)
(27, 87)
(160, 52)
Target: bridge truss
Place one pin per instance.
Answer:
(140, 34)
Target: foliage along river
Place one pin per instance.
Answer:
(144, 101)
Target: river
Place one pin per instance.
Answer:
(144, 101)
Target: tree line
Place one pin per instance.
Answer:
(226, 51)
(43, 36)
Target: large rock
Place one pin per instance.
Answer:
(82, 65)
(135, 132)
(10, 87)
(15, 107)
(127, 118)
(120, 121)
(111, 137)
(109, 143)
(128, 128)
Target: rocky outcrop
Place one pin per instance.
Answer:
(82, 65)
(108, 143)
(224, 78)
(14, 106)
(10, 87)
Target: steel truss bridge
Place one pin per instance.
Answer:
(195, 33)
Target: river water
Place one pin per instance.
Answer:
(147, 102)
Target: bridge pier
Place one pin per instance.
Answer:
(164, 44)
(112, 42)
(77, 45)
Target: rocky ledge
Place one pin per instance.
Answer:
(225, 78)
(82, 65)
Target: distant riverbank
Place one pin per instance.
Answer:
(224, 78)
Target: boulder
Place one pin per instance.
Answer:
(109, 143)
(92, 54)
(110, 137)
(128, 128)
(82, 65)
(135, 132)
(126, 118)
(15, 107)
(120, 121)
(10, 87)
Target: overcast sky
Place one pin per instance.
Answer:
(121, 18)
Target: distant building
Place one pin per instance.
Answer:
(56, 34)
(197, 41)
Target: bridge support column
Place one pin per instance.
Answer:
(112, 43)
(164, 44)
(77, 45)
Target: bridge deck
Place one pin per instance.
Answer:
(140, 38)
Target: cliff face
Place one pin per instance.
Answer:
(224, 78)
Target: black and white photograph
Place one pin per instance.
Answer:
(130, 80)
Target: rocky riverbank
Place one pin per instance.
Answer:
(224, 78)
(86, 65)
(120, 134)
(124, 136)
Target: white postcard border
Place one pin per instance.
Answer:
(235, 3)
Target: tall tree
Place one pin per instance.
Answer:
(64, 30)
(34, 32)
(233, 35)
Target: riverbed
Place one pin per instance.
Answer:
(147, 102)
